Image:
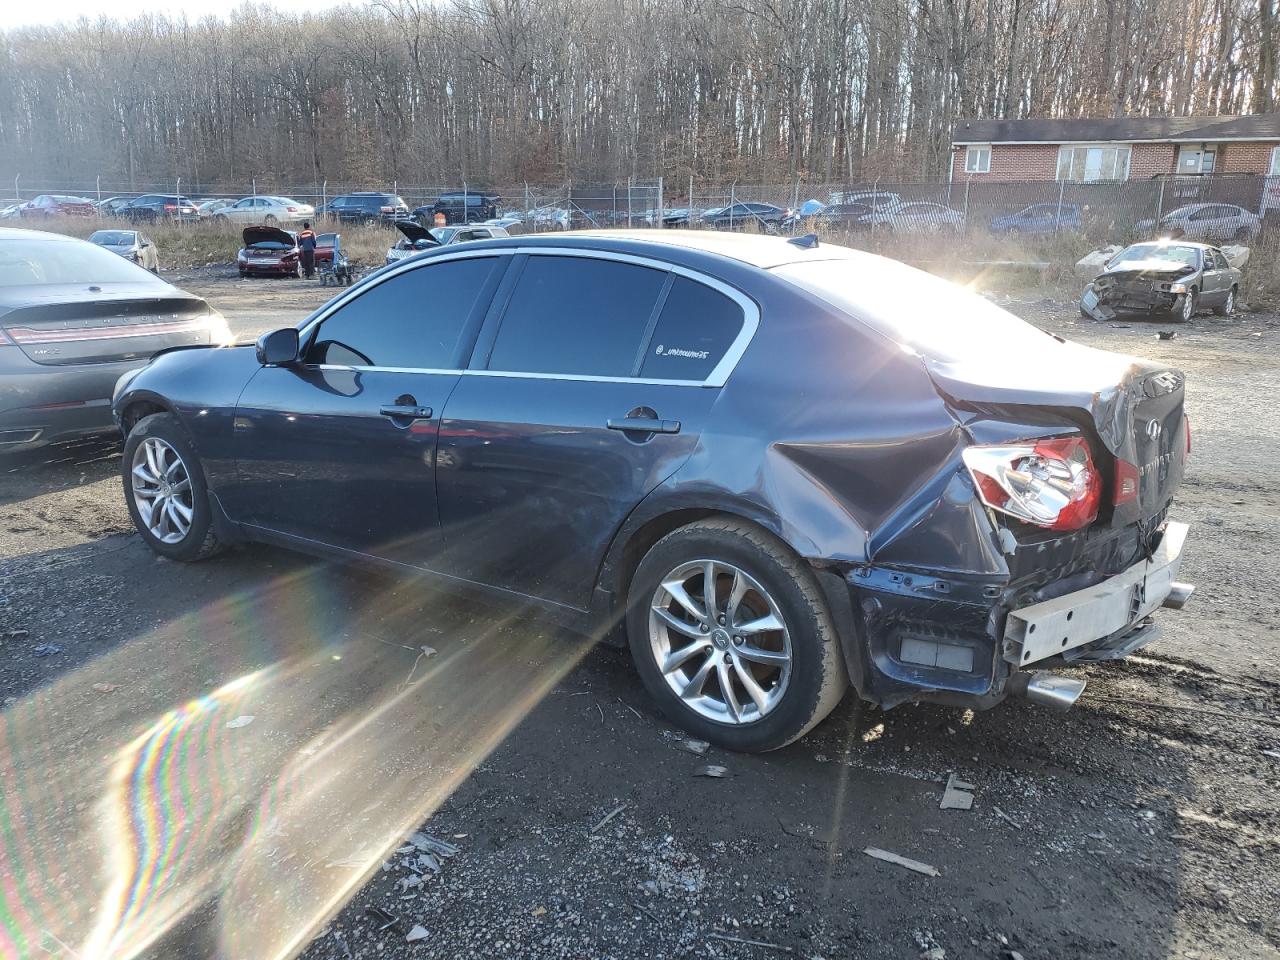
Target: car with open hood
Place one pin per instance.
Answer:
(269, 251)
(779, 468)
(130, 244)
(1166, 278)
(75, 317)
(414, 237)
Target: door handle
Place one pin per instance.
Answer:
(405, 411)
(644, 425)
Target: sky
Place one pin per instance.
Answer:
(57, 11)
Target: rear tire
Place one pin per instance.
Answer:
(1228, 306)
(164, 488)
(784, 679)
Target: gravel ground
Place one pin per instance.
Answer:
(145, 815)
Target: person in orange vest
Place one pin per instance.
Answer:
(440, 219)
(307, 245)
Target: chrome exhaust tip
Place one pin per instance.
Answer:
(1050, 690)
(1179, 594)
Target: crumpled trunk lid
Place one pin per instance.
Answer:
(1132, 407)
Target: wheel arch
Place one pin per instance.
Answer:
(140, 405)
(654, 519)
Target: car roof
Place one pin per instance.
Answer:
(752, 249)
(1172, 243)
(9, 233)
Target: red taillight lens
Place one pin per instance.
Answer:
(1126, 483)
(1049, 483)
(292, 209)
(170, 206)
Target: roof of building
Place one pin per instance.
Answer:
(1262, 126)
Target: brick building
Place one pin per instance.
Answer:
(1124, 148)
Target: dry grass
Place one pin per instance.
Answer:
(214, 243)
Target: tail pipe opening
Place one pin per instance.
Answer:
(1050, 690)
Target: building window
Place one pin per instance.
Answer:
(1195, 160)
(1275, 161)
(1085, 164)
(978, 159)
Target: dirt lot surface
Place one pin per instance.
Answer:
(225, 760)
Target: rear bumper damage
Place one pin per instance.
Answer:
(915, 636)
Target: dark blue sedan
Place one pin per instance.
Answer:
(783, 467)
(1039, 219)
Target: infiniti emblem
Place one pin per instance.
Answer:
(1153, 429)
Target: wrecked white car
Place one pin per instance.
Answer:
(1163, 278)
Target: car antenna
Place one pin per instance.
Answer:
(809, 241)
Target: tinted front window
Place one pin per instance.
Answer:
(44, 261)
(695, 329)
(416, 319)
(576, 315)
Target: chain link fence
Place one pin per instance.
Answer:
(1215, 208)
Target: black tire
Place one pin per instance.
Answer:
(817, 671)
(200, 541)
(1228, 307)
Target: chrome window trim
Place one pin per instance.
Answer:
(718, 376)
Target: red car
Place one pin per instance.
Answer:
(272, 252)
(57, 205)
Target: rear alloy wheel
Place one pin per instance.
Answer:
(270, 218)
(730, 633)
(1228, 306)
(727, 653)
(165, 490)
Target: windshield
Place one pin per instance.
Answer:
(936, 318)
(270, 245)
(114, 238)
(1170, 252)
(443, 234)
(25, 262)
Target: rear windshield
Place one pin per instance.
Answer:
(25, 262)
(936, 318)
(115, 238)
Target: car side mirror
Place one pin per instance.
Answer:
(278, 347)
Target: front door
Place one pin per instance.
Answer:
(587, 393)
(340, 448)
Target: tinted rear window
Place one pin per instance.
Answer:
(695, 329)
(934, 317)
(24, 262)
(576, 315)
(416, 319)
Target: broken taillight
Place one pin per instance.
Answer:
(1051, 483)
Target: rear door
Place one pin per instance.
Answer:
(340, 448)
(586, 391)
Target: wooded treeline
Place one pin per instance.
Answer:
(503, 91)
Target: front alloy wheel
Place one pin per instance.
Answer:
(162, 490)
(1188, 306)
(719, 641)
